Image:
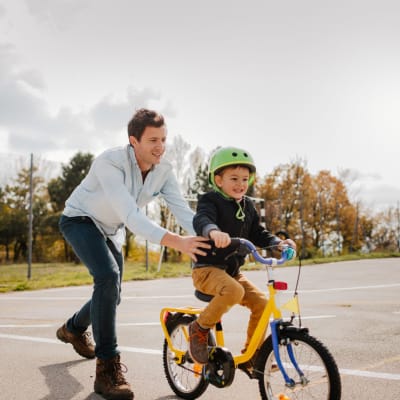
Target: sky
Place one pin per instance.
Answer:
(309, 80)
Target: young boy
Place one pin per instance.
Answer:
(223, 213)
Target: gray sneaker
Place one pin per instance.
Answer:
(82, 344)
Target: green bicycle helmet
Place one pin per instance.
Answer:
(229, 156)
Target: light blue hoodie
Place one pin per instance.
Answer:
(113, 194)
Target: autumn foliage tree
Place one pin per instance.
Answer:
(314, 210)
(15, 204)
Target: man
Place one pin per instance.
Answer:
(120, 182)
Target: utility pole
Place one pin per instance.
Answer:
(147, 249)
(398, 226)
(30, 218)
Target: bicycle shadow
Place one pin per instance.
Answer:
(61, 384)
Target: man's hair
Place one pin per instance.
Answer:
(141, 119)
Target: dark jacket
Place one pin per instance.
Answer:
(214, 211)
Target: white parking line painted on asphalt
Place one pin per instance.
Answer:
(139, 350)
(31, 295)
(52, 325)
(29, 338)
(389, 285)
(55, 341)
(13, 326)
(138, 324)
(317, 317)
(343, 371)
(59, 298)
(26, 326)
(41, 298)
(370, 374)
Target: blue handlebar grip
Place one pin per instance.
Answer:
(289, 253)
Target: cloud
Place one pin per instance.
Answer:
(31, 127)
(60, 14)
(20, 106)
(380, 196)
(110, 114)
(3, 11)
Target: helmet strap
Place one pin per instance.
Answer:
(240, 213)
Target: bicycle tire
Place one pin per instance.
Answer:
(315, 360)
(185, 382)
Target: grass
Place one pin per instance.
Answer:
(52, 275)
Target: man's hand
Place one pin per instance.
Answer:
(190, 245)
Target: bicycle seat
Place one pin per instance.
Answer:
(203, 296)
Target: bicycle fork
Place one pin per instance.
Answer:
(275, 324)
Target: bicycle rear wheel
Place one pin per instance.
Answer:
(185, 379)
(321, 376)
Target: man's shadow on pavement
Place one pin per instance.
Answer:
(62, 385)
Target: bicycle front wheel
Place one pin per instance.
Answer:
(320, 379)
(185, 379)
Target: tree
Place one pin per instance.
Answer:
(72, 174)
(200, 183)
(17, 202)
(60, 188)
(286, 192)
(185, 164)
(323, 209)
(385, 232)
(318, 206)
(6, 233)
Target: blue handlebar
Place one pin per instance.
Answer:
(287, 254)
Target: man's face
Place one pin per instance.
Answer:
(151, 146)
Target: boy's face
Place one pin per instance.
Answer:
(233, 181)
(151, 146)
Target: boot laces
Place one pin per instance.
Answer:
(118, 370)
(86, 338)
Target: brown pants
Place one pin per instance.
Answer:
(227, 292)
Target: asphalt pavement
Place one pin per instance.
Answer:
(352, 307)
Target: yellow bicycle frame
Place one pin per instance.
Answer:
(271, 310)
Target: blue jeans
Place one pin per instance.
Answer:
(105, 264)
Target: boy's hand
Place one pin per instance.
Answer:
(288, 242)
(291, 244)
(221, 239)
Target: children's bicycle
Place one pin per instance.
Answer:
(289, 364)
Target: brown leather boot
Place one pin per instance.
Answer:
(82, 344)
(110, 381)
